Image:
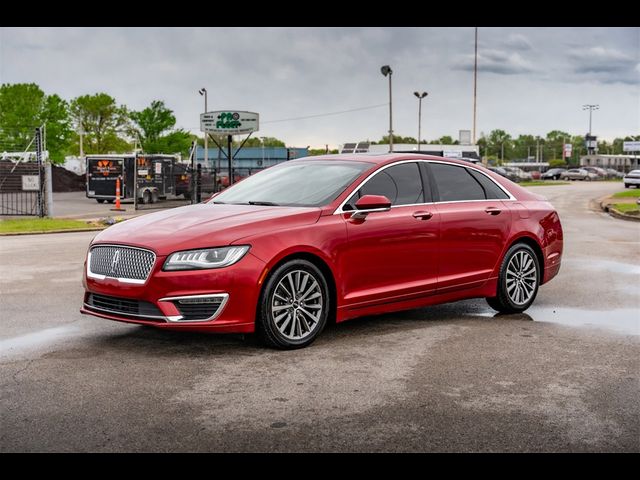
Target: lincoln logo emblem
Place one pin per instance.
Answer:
(114, 261)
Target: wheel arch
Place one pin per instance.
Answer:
(319, 262)
(535, 246)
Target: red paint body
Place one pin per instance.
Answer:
(389, 261)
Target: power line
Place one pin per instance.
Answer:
(327, 114)
(319, 114)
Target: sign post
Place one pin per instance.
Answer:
(229, 123)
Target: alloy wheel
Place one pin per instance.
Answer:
(521, 277)
(296, 305)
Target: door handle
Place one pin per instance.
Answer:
(492, 210)
(422, 215)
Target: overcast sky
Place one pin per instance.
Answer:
(531, 80)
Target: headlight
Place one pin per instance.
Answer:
(205, 258)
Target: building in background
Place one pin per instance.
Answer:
(248, 160)
(622, 163)
(451, 151)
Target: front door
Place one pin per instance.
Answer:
(392, 255)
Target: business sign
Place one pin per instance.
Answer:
(30, 182)
(464, 137)
(631, 146)
(453, 153)
(229, 122)
(568, 148)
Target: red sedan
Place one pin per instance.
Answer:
(327, 238)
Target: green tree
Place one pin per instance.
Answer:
(104, 123)
(499, 143)
(153, 128)
(397, 139)
(23, 107)
(257, 142)
(554, 141)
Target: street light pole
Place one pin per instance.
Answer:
(386, 71)
(591, 108)
(203, 91)
(420, 97)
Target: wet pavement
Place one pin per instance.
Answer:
(563, 376)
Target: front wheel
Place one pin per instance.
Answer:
(294, 306)
(626, 185)
(518, 280)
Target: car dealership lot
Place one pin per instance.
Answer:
(564, 376)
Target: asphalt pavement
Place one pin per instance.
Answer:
(564, 376)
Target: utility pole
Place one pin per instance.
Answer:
(475, 86)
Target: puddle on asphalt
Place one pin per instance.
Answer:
(605, 265)
(36, 339)
(625, 320)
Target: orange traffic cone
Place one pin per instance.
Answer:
(118, 208)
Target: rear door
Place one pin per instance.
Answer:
(474, 225)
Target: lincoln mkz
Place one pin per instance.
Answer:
(327, 238)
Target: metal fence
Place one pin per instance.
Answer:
(23, 187)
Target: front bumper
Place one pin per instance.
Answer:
(238, 284)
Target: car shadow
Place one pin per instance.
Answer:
(153, 341)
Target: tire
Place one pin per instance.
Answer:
(154, 197)
(146, 197)
(284, 328)
(588, 179)
(100, 200)
(111, 201)
(518, 298)
(626, 185)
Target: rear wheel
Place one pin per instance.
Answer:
(294, 306)
(518, 280)
(100, 200)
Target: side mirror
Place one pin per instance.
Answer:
(369, 204)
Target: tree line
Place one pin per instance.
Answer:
(96, 121)
(498, 146)
(101, 125)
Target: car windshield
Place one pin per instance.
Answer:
(302, 184)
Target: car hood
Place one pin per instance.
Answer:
(204, 225)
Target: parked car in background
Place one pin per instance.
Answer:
(553, 174)
(613, 173)
(535, 175)
(578, 174)
(632, 179)
(501, 171)
(519, 173)
(600, 173)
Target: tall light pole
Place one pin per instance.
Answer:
(386, 71)
(203, 91)
(591, 108)
(475, 86)
(420, 97)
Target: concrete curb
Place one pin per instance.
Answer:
(615, 213)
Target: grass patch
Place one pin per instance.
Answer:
(628, 193)
(538, 183)
(629, 208)
(35, 225)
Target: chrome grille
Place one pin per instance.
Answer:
(125, 263)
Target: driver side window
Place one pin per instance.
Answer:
(401, 184)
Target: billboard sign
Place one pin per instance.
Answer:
(631, 146)
(464, 136)
(229, 122)
(453, 153)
